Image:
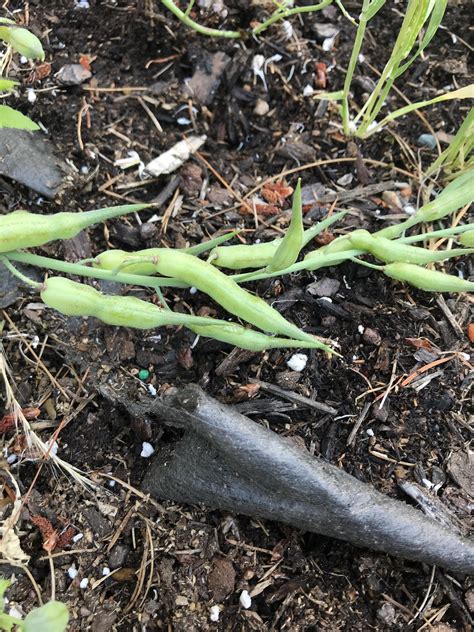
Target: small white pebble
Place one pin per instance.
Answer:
(326, 298)
(328, 43)
(147, 450)
(14, 612)
(72, 572)
(105, 571)
(245, 600)
(23, 59)
(287, 29)
(31, 95)
(297, 362)
(466, 356)
(77, 537)
(193, 290)
(85, 170)
(53, 449)
(361, 58)
(308, 90)
(111, 483)
(11, 458)
(182, 120)
(214, 613)
(84, 583)
(151, 390)
(361, 329)
(370, 432)
(409, 209)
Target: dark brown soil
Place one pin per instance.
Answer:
(172, 563)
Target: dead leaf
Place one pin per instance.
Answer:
(49, 534)
(470, 332)
(420, 343)
(8, 421)
(321, 77)
(276, 192)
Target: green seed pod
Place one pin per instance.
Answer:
(22, 229)
(467, 238)
(139, 262)
(317, 257)
(22, 41)
(393, 251)
(239, 336)
(259, 255)
(225, 291)
(428, 280)
(75, 299)
(290, 246)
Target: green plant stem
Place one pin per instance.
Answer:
(366, 264)
(445, 232)
(17, 273)
(308, 264)
(96, 273)
(203, 30)
(282, 14)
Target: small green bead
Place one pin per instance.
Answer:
(143, 374)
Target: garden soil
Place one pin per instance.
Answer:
(124, 80)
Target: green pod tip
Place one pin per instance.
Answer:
(428, 280)
(290, 246)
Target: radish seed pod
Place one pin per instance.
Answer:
(22, 229)
(428, 280)
(222, 289)
(75, 299)
(392, 251)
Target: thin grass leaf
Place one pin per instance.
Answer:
(437, 13)
(462, 93)
(330, 96)
(459, 148)
(373, 9)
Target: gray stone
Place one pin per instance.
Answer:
(29, 158)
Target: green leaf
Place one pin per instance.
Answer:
(462, 93)
(7, 84)
(6, 21)
(22, 41)
(52, 617)
(330, 96)
(373, 8)
(4, 584)
(14, 119)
